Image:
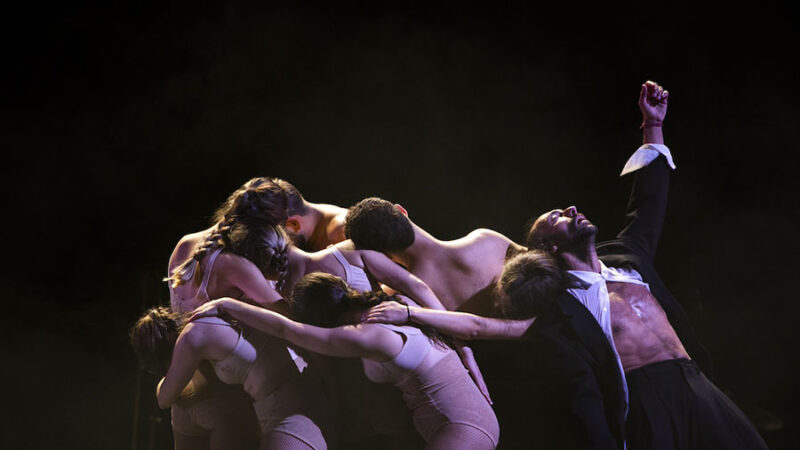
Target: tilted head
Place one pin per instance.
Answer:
(375, 224)
(258, 203)
(300, 221)
(528, 283)
(263, 244)
(321, 299)
(325, 300)
(561, 230)
(153, 338)
(258, 199)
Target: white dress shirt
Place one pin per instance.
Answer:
(590, 287)
(644, 155)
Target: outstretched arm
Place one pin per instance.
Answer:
(346, 341)
(245, 276)
(460, 325)
(648, 202)
(399, 279)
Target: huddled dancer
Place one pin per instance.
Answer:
(285, 312)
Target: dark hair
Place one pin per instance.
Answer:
(260, 199)
(375, 224)
(263, 244)
(533, 240)
(259, 202)
(297, 204)
(153, 338)
(320, 298)
(529, 283)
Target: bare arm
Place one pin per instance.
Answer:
(186, 357)
(461, 325)
(397, 278)
(245, 276)
(647, 205)
(347, 341)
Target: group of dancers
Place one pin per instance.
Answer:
(299, 325)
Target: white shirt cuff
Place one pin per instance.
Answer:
(644, 155)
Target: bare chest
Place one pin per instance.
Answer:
(633, 305)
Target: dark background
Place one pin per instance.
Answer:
(124, 127)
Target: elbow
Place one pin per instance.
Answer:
(161, 397)
(163, 401)
(474, 331)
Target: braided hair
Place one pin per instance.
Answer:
(320, 298)
(266, 245)
(259, 201)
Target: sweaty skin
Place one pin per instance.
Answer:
(642, 333)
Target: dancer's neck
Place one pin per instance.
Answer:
(423, 247)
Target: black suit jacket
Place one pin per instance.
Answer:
(576, 365)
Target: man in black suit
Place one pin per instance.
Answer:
(611, 345)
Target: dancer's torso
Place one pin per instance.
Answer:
(204, 285)
(260, 363)
(642, 332)
(464, 272)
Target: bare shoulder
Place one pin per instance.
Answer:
(213, 341)
(489, 240)
(231, 262)
(351, 254)
(185, 247)
(485, 234)
(335, 229)
(379, 342)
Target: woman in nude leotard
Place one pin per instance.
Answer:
(290, 404)
(200, 268)
(448, 410)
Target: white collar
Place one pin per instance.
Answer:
(586, 278)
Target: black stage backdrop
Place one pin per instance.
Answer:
(124, 127)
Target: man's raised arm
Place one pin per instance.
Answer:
(651, 162)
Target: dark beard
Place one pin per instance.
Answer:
(582, 242)
(299, 241)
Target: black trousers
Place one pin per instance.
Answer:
(674, 406)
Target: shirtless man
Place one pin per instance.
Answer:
(312, 226)
(610, 347)
(462, 273)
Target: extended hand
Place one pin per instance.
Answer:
(468, 359)
(653, 101)
(388, 312)
(210, 309)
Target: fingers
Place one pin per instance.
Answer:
(485, 391)
(653, 94)
(198, 315)
(206, 310)
(643, 95)
(374, 315)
